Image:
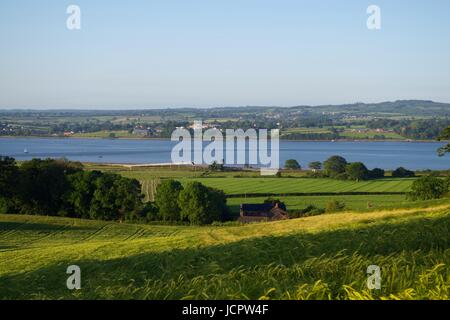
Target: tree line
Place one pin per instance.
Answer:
(63, 188)
(337, 167)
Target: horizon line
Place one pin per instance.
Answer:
(3, 109)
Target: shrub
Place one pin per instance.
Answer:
(309, 211)
(341, 176)
(316, 165)
(216, 166)
(317, 174)
(335, 206)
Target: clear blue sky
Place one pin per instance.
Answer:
(136, 54)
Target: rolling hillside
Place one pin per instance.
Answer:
(322, 257)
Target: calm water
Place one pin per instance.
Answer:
(386, 155)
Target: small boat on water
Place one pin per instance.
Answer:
(25, 151)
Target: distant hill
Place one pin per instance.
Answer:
(400, 107)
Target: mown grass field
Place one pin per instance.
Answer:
(322, 257)
(243, 183)
(231, 184)
(106, 134)
(303, 185)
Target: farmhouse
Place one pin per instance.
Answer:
(263, 212)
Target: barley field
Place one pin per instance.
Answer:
(321, 257)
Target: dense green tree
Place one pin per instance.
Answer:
(292, 164)
(376, 173)
(149, 212)
(115, 198)
(44, 185)
(218, 203)
(427, 188)
(166, 200)
(357, 171)
(316, 165)
(9, 175)
(334, 166)
(201, 205)
(402, 173)
(82, 191)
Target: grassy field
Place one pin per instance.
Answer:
(252, 182)
(106, 134)
(322, 257)
(353, 132)
(371, 134)
(242, 183)
(302, 185)
(353, 202)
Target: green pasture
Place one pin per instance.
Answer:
(302, 185)
(352, 202)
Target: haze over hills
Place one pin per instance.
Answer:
(399, 107)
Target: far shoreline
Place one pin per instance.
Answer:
(168, 139)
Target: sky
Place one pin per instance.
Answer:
(211, 53)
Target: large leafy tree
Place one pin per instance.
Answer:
(292, 164)
(44, 185)
(335, 166)
(115, 198)
(166, 200)
(9, 175)
(376, 173)
(357, 171)
(128, 198)
(427, 188)
(316, 165)
(202, 205)
(402, 173)
(83, 187)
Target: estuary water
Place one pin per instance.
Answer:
(385, 155)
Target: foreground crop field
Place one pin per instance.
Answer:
(322, 257)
